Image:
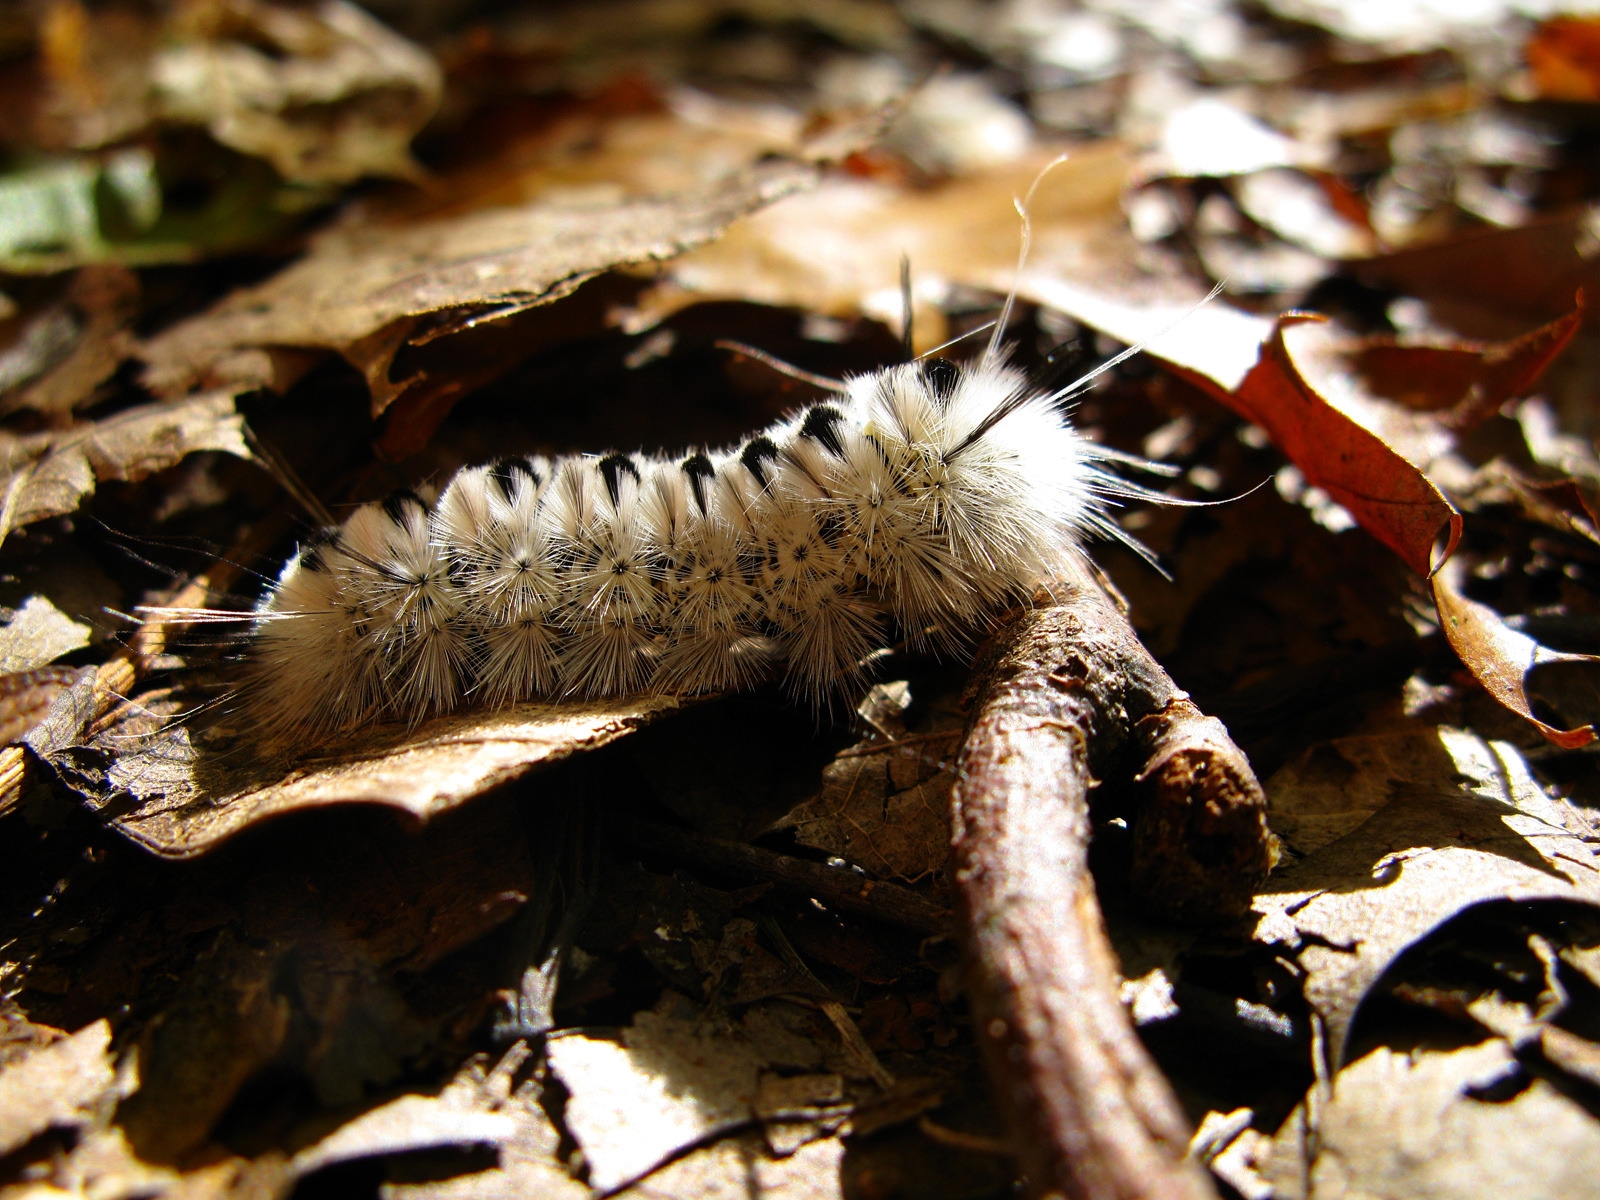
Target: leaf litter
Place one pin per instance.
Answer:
(314, 997)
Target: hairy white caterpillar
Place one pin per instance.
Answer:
(928, 494)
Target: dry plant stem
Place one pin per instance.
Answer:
(1067, 695)
(839, 886)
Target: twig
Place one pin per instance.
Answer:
(838, 886)
(1066, 694)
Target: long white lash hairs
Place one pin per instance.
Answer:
(929, 493)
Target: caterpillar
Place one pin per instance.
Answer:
(928, 496)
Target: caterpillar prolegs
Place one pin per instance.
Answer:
(928, 496)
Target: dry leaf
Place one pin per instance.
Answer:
(48, 474)
(476, 1108)
(325, 93)
(837, 250)
(887, 811)
(179, 800)
(1400, 1123)
(1459, 820)
(1389, 496)
(1500, 657)
(65, 1084)
(669, 1085)
(100, 304)
(38, 633)
(362, 291)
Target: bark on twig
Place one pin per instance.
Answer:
(1068, 696)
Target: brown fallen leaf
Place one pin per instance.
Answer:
(1422, 1121)
(885, 810)
(66, 1084)
(1468, 381)
(1244, 362)
(323, 91)
(37, 634)
(1500, 657)
(1322, 403)
(364, 291)
(102, 301)
(837, 250)
(1442, 820)
(179, 800)
(699, 1080)
(48, 474)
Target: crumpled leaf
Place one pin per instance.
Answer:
(1366, 452)
(679, 1076)
(38, 633)
(1245, 362)
(1400, 1123)
(1501, 657)
(64, 1084)
(362, 291)
(837, 250)
(670, 1084)
(1457, 820)
(325, 93)
(48, 474)
(100, 305)
(178, 799)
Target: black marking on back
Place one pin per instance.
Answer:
(312, 549)
(756, 455)
(699, 469)
(506, 471)
(822, 426)
(941, 375)
(397, 502)
(611, 468)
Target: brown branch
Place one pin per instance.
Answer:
(1068, 694)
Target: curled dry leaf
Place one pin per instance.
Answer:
(1245, 362)
(1362, 419)
(1501, 657)
(48, 474)
(179, 799)
(1452, 820)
